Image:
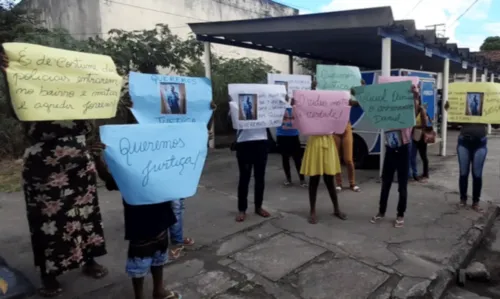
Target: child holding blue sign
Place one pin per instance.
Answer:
(146, 229)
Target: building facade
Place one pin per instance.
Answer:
(87, 18)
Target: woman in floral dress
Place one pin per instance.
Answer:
(61, 201)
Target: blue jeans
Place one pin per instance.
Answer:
(176, 230)
(473, 152)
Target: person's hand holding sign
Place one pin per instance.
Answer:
(97, 147)
(4, 62)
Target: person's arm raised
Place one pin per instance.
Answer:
(4, 64)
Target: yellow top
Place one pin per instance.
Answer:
(418, 120)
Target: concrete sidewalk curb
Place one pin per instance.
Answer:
(462, 253)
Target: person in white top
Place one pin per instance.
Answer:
(251, 152)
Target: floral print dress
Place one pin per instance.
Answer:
(61, 200)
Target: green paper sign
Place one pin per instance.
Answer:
(337, 77)
(388, 106)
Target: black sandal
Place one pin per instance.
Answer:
(95, 271)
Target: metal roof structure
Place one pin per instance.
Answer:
(345, 37)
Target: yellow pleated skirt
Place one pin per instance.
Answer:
(320, 157)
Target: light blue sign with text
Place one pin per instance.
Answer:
(155, 163)
(170, 99)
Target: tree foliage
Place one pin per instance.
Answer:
(147, 50)
(226, 71)
(491, 43)
(308, 65)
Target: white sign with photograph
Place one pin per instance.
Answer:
(255, 106)
(291, 82)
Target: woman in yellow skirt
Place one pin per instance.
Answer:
(321, 159)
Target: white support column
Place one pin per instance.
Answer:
(208, 74)
(290, 64)
(386, 71)
(474, 74)
(444, 118)
(492, 78)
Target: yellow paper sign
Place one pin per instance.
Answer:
(53, 84)
(474, 103)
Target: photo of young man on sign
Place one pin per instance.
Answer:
(474, 105)
(173, 98)
(247, 106)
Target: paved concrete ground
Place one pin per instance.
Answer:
(285, 257)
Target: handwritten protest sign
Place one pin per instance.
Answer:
(321, 112)
(291, 82)
(337, 77)
(170, 99)
(154, 163)
(474, 103)
(391, 79)
(255, 106)
(53, 84)
(388, 106)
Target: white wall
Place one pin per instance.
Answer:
(86, 18)
(144, 14)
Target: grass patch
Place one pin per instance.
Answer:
(10, 175)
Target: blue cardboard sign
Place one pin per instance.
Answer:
(170, 99)
(155, 163)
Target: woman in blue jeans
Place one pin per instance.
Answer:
(471, 151)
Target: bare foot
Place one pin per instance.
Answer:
(241, 217)
(263, 213)
(312, 219)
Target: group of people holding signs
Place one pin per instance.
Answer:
(157, 158)
(320, 110)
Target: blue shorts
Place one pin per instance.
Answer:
(139, 267)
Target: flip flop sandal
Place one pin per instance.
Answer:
(312, 220)
(338, 188)
(355, 188)
(263, 213)
(303, 185)
(46, 293)
(376, 219)
(170, 295)
(477, 208)
(462, 204)
(399, 223)
(188, 242)
(95, 271)
(340, 215)
(287, 183)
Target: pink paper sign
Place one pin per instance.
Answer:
(392, 79)
(321, 112)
